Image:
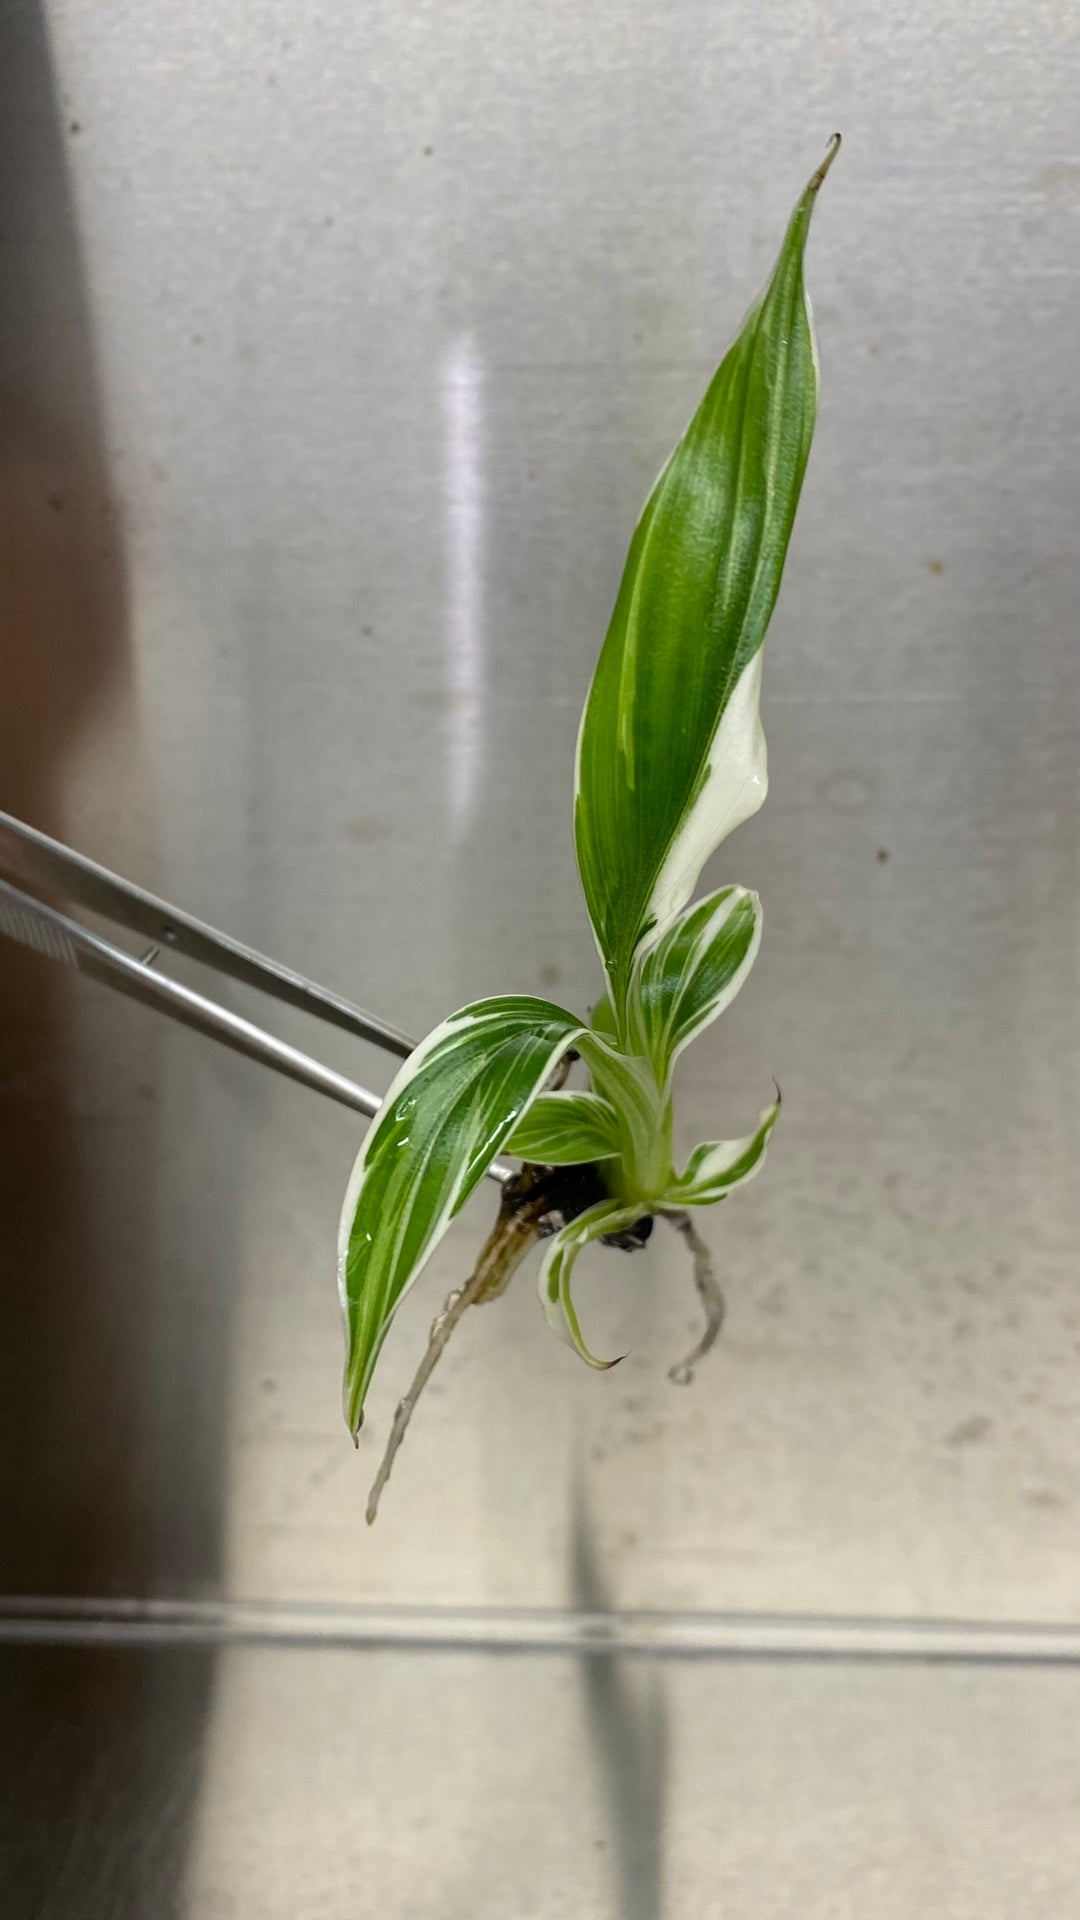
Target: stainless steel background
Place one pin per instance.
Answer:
(339, 346)
(752, 1791)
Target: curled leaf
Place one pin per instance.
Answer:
(718, 1166)
(687, 979)
(564, 1129)
(609, 1216)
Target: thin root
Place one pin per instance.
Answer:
(514, 1233)
(441, 1329)
(708, 1291)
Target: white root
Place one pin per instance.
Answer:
(503, 1251)
(708, 1292)
(441, 1328)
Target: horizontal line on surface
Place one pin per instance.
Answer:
(145, 1623)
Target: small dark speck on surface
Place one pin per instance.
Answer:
(366, 631)
(75, 127)
(269, 1386)
(56, 502)
(196, 339)
(935, 566)
(968, 1433)
(428, 151)
(1043, 1497)
(882, 856)
(550, 974)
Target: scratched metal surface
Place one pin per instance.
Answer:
(340, 347)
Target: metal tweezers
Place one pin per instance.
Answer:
(31, 859)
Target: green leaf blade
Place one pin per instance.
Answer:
(671, 755)
(608, 1216)
(445, 1118)
(693, 972)
(565, 1129)
(717, 1167)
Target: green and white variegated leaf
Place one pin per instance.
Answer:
(602, 1019)
(608, 1216)
(718, 1166)
(643, 1117)
(564, 1129)
(671, 754)
(687, 979)
(444, 1120)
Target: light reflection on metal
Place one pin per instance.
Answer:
(535, 1630)
(461, 382)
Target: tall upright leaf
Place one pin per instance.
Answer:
(671, 755)
(444, 1119)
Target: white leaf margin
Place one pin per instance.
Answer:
(717, 1167)
(656, 1039)
(455, 1192)
(565, 1128)
(608, 1216)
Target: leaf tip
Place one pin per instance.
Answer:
(832, 149)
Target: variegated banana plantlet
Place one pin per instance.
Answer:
(671, 758)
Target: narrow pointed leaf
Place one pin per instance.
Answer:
(564, 1129)
(693, 973)
(443, 1122)
(609, 1216)
(718, 1166)
(671, 755)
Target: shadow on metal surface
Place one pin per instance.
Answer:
(627, 1726)
(73, 1470)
